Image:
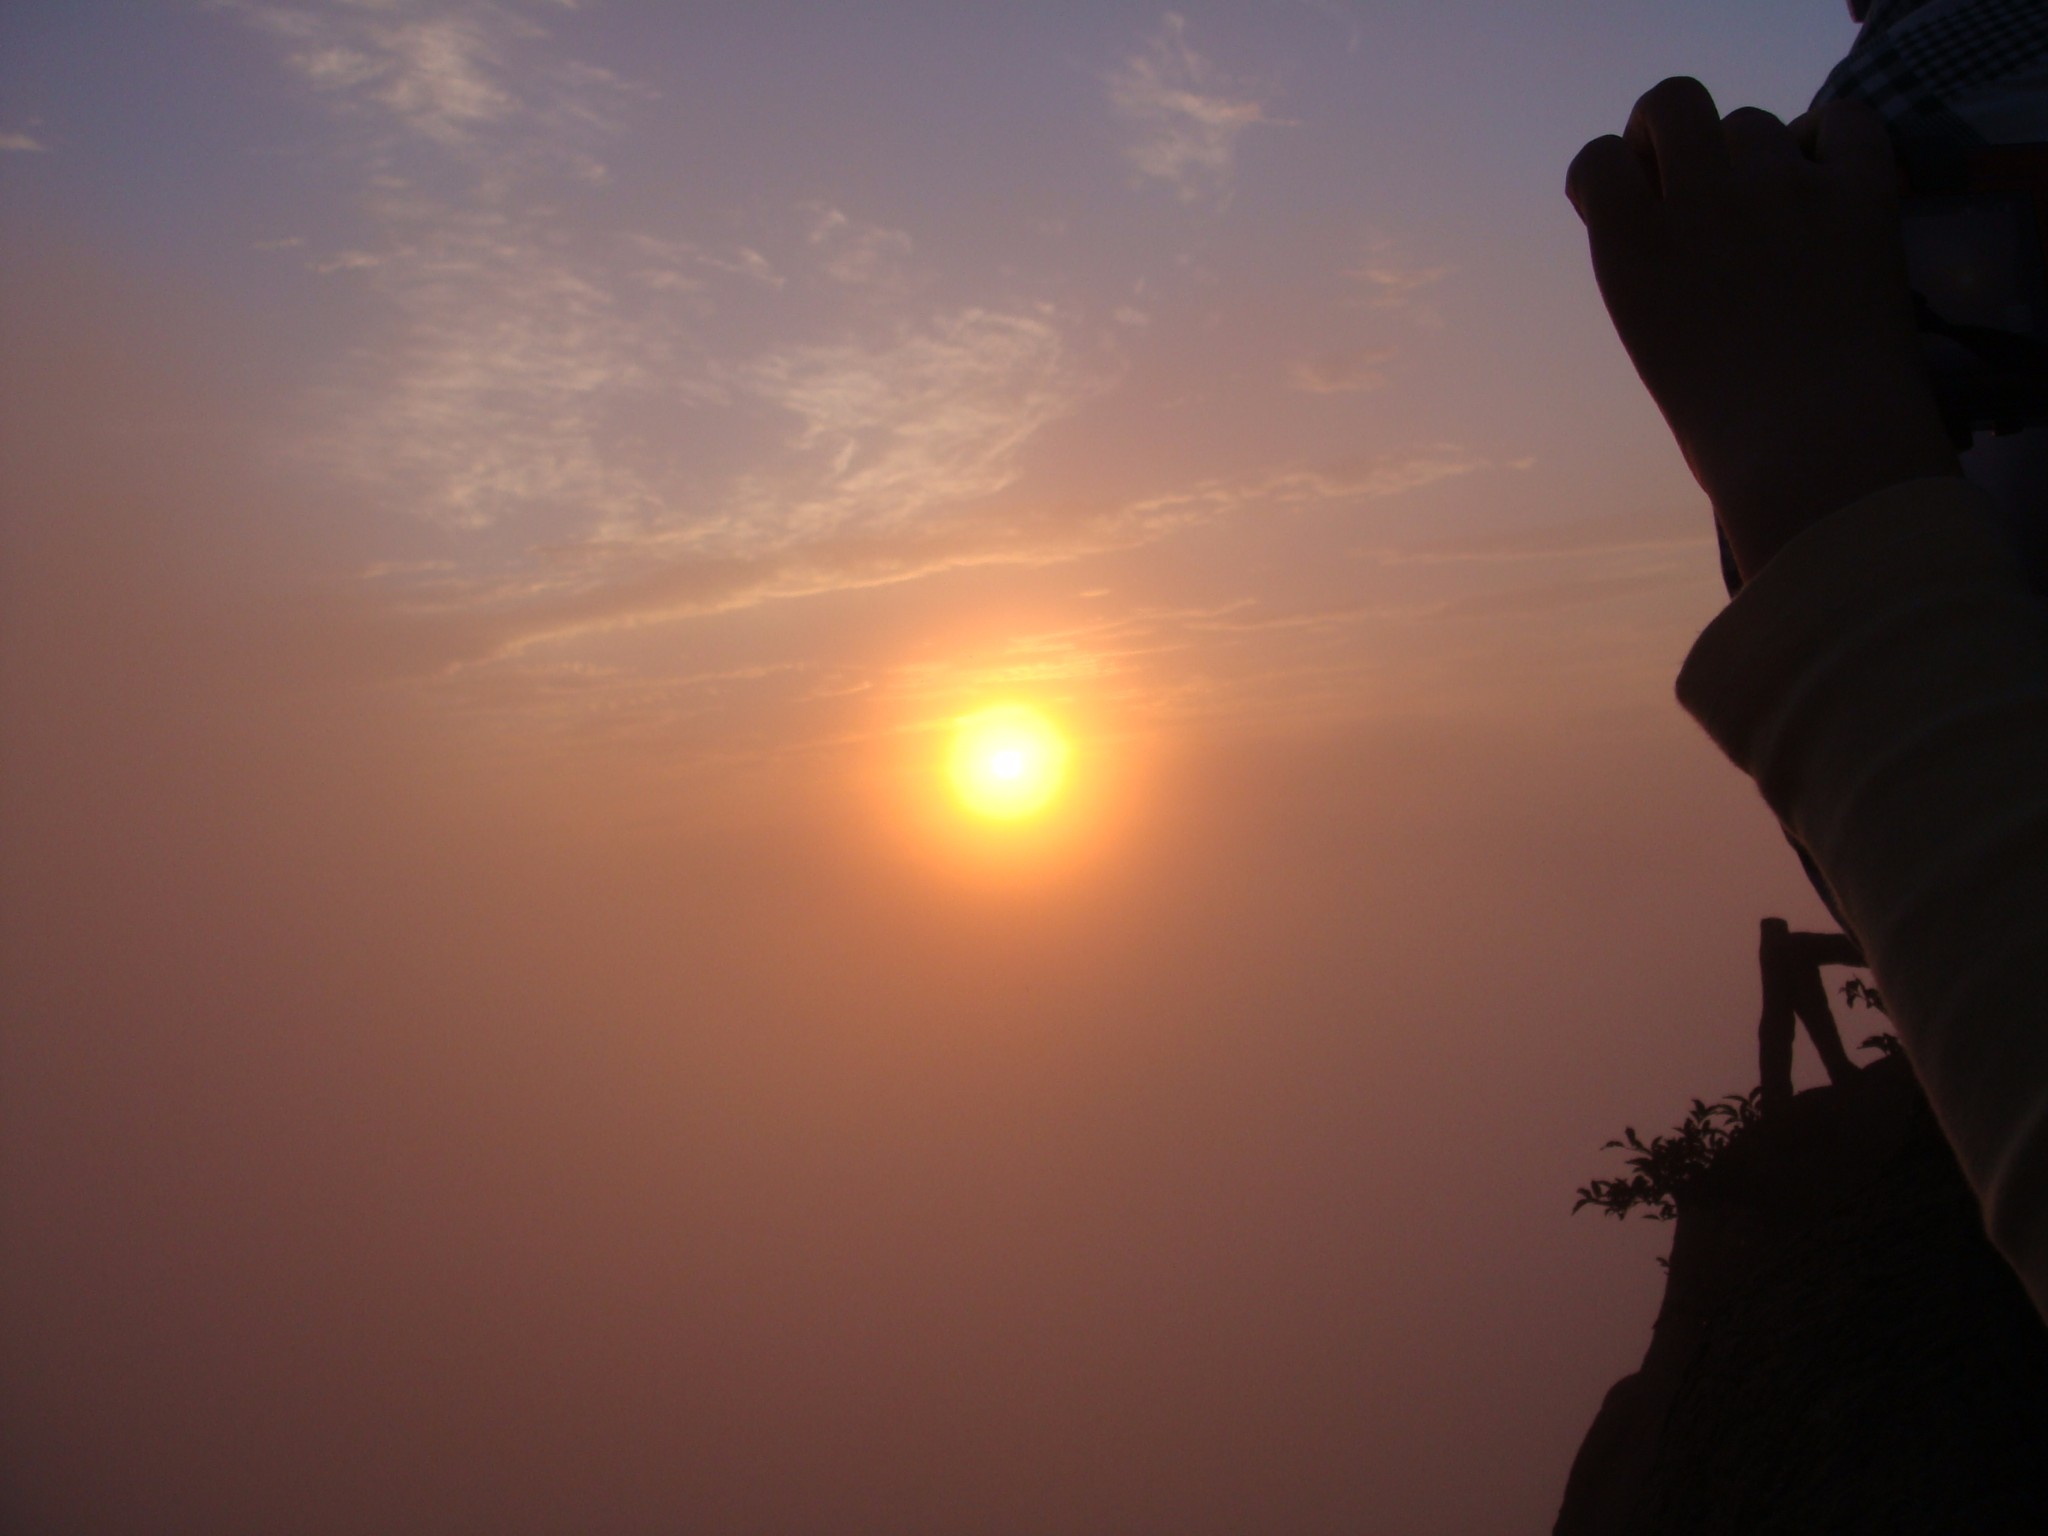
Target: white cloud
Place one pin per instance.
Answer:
(493, 388)
(859, 254)
(347, 261)
(934, 419)
(445, 73)
(439, 77)
(908, 513)
(492, 395)
(537, 382)
(435, 73)
(1390, 285)
(745, 262)
(505, 397)
(1187, 118)
(676, 265)
(615, 426)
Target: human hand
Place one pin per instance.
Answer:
(1755, 275)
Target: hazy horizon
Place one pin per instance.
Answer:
(506, 1027)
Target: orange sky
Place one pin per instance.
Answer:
(507, 1027)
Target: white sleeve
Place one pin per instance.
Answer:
(1884, 681)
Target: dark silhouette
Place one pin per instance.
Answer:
(1839, 1347)
(1794, 994)
(1880, 676)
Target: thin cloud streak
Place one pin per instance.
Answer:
(1578, 538)
(1187, 118)
(660, 588)
(1387, 475)
(1337, 373)
(1396, 288)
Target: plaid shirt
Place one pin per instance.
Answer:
(1924, 63)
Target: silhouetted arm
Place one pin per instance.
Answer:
(1884, 681)
(1881, 675)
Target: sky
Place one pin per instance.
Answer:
(507, 1028)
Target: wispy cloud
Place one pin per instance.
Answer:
(496, 388)
(450, 73)
(21, 144)
(1186, 117)
(897, 451)
(933, 420)
(526, 354)
(1334, 373)
(857, 253)
(1386, 283)
(492, 394)
(674, 265)
(435, 73)
(898, 469)
(612, 427)
(1576, 539)
(848, 530)
(1385, 475)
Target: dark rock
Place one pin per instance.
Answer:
(1840, 1349)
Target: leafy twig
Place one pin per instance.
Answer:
(1670, 1168)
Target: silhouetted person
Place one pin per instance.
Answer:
(1794, 994)
(1882, 674)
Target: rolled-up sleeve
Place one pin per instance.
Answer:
(1884, 681)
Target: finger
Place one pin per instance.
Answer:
(1851, 136)
(1607, 183)
(1677, 122)
(1755, 137)
(1805, 131)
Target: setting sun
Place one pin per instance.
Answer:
(1007, 762)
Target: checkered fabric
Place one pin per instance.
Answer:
(1914, 59)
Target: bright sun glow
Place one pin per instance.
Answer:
(1007, 762)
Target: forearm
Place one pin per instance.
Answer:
(1883, 680)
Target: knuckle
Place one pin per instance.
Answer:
(1675, 90)
(1753, 117)
(1593, 164)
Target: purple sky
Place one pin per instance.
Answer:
(505, 1029)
